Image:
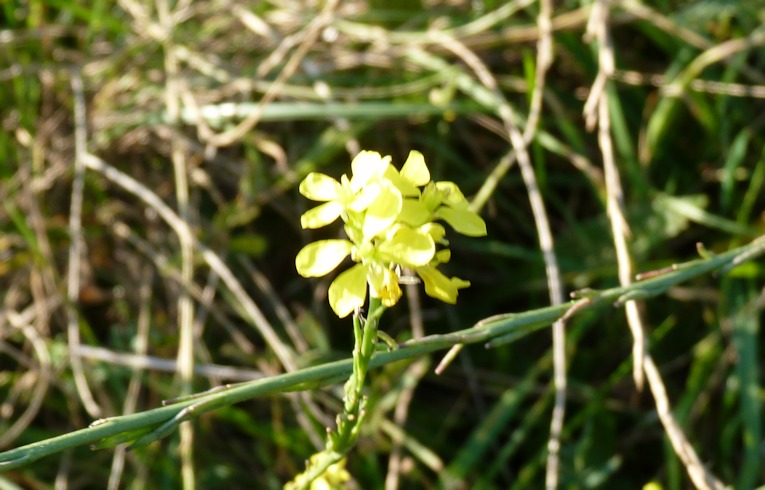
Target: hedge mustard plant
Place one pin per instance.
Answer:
(390, 219)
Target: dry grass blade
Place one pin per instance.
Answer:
(597, 110)
(76, 249)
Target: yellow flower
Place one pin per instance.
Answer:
(390, 224)
(401, 245)
(354, 195)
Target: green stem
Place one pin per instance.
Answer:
(120, 429)
(344, 437)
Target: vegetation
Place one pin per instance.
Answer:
(152, 160)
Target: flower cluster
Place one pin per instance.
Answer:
(390, 220)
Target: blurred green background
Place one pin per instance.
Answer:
(243, 99)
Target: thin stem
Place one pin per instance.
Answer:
(185, 354)
(344, 437)
(76, 250)
(411, 378)
(134, 387)
(325, 374)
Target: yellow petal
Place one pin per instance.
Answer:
(367, 166)
(383, 211)
(414, 170)
(321, 215)
(408, 247)
(364, 198)
(383, 284)
(319, 258)
(404, 186)
(439, 286)
(348, 291)
(464, 221)
(320, 187)
(436, 231)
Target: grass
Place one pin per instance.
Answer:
(197, 122)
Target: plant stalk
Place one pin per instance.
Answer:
(341, 440)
